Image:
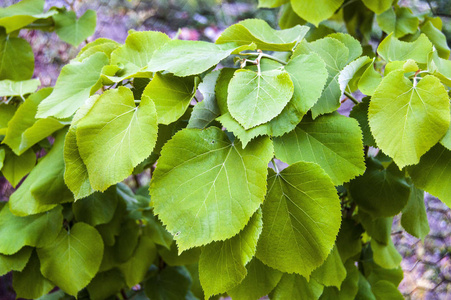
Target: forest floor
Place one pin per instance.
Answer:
(426, 264)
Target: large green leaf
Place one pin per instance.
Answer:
(380, 192)
(332, 272)
(392, 49)
(408, 119)
(115, 136)
(171, 95)
(24, 130)
(44, 187)
(414, 218)
(76, 82)
(332, 141)
(36, 231)
(15, 262)
(230, 185)
(335, 54)
(18, 88)
(259, 281)
(222, 263)
(184, 58)
(30, 283)
(315, 11)
(73, 259)
(16, 167)
(172, 283)
(97, 208)
(73, 30)
(296, 287)
(301, 217)
(259, 32)
(378, 6)
(16, 58)
(400, 21)
(438, 39)
(256, 98)
(137, 52)
(433, 172)
(75, 173)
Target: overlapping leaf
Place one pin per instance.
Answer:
(75, 30)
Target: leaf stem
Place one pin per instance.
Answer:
(265, 55)
(351, 97)
(275, 165)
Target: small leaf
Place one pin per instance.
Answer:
(171, 95)
(392, 49)
(73, 259)
(76, 82)
(271, 3)
(369, 81)
(115, 136)
(106, 284)
(18, 88)
(349, 287)
(316, 11)
(386, 290)
(414, 219)
(230, 185)
(400, 21)
(379, 228)
(360, 113)
(222, 264)
(16, 58)
(172, 258)
(15, 262)
(349, 241)
(255, 98)
(332, 272)
(104, 45)
(73, 30)
(297, 236)
(172, 283)
(16, 167)
(259, 281)
(7, 112)
(260, 33)
(35, 231)
(378, 6)
(438, 39)
(385, 256)
(97, 208)
(296, 287)
(407, 120)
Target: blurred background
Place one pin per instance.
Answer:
(426, 264)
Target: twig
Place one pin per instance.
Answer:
(350, 97)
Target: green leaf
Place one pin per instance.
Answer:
(332, 272)
(392, 49)
(380, 192)
(349, 287)
(378, 6)
(36, 230)
(222, 263)
(73, 30)
(414, 218)
(7, 111)
(185, 58)
(172, 258)
(260, 33)
(44, 187)
(438, 39)
(301, 217)
(112, 144)
(30, 283)
(15, 262)
(106, 284)
(172, 283)
(369, 81)
(364, 292)
(385, 256)
(386, 290)
(104, 45)
(16, 58)
(259, 281)
(349, 241)
(353, 45)
(187, 209)
(206, 111)
(316, 11)
(136, 267)
(16, 167)
(296, 287)
(73, 259)
(126, 241)
(256, 98)
(76, 82)
(271, 3)
(2, 157)
(18, 88)
(332, 141)
(24, 130)
(433, 172)
(97, 208)
(351, 71)
(137, 52)
(440, 67)
(379, 229)
(360, 113)
(76, 174)
(335, 54)
(399, 21)
(407, 120)
(171, 95)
